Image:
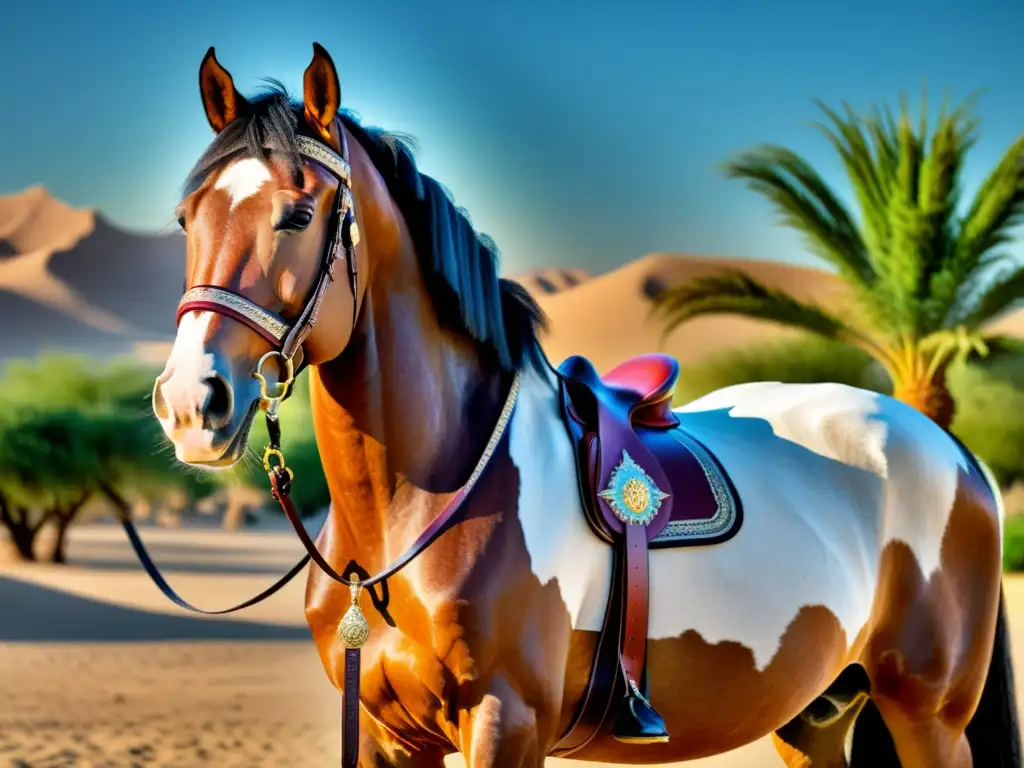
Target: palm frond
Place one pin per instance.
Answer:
(851, 137)
(909, 231)
(906, 186)
(998, 296)
(807, 204)
(735, 292)
(1000, 347)
(943, 347)
(874, 152)
(997, 208)
(880, 126)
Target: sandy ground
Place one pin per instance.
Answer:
(99, 670)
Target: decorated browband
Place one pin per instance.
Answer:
(281, 334)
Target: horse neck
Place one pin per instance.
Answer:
(359, 477)
(432, 444)
(407, 404)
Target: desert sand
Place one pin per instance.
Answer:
(99, 670)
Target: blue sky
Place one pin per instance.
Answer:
(576, 132)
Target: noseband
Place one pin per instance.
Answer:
(286, 338)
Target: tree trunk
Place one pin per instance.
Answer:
(18, 523)
(930, 396)
(24, 538)
(65, 516)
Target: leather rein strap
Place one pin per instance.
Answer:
(286, 341)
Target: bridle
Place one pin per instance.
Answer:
(286, 339)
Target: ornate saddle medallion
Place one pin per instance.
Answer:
(632, 494)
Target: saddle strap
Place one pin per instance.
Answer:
(634, 640)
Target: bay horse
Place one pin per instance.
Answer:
(843, 593)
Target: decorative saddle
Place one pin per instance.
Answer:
(645, 484)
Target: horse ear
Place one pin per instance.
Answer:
(220, 99)
(321, 92)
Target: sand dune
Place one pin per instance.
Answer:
(607, 318)
(69, 279)
(28, 274)
(35, 226)
(34, 220)
(551, 279)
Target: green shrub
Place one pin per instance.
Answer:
(806, 360)
(990, 414)
(1013, 544)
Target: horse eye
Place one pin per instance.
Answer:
(299, 219)
(181, 223)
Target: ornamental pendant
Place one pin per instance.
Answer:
(354, 629)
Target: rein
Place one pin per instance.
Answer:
(286, 340)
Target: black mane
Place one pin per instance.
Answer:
(459, 265)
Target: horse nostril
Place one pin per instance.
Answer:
(219, 403)
(159, 403)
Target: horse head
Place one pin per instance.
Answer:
(268, 213)
(312, 239)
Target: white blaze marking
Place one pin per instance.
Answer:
(188, 356)
(827, 475)
(243, 179)
(189, 364)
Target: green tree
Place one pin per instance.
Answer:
(74, 430)
(925, 279)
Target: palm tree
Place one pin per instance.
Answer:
(925, 279)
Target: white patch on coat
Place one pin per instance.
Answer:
(243, 179)
(827, 475)
(188, 366)
(917, 461)
(559, 541)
